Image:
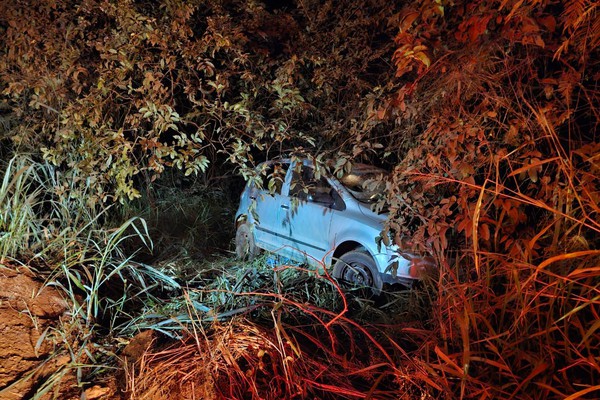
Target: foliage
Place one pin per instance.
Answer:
(502, 121)
(486, 113)
(497, 107)
(286, 332)
(126, 89)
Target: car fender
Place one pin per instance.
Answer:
(364, 239)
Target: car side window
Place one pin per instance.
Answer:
(273, 177)
(305, 186)
(301, 181)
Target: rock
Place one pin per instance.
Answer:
(25, 294)
(97, 392)
(138, 345)
(48, 304)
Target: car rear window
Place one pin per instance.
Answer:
(365, 183)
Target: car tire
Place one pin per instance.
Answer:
(245, 248)
(358, 269)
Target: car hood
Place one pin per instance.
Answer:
(373, 217)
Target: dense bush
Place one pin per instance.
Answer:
(125, 89)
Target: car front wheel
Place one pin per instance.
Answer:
(357, 269)
(245, 249)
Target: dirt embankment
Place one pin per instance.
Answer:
(28, 310)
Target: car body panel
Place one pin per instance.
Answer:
(269, 225)
(307, 230)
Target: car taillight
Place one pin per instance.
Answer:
(419, 266)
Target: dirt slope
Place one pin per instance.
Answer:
(27, 310)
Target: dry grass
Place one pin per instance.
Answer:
(241, 359)
(259, 333)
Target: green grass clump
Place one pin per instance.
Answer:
(20, 227)
(52, 225)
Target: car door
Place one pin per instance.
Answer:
(309, 207)
(268, 215)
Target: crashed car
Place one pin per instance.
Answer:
(303, 213)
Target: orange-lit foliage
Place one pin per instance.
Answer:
(242, 359)
(500, 105)
(496, 115)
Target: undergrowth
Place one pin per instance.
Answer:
(268, 330)
(188, 218)
(48, 227)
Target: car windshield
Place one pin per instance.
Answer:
(365, 182)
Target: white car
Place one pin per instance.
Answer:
(307, 215)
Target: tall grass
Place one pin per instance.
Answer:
(518, 330)
(20, 191)
(524, 323)
(49, 223)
